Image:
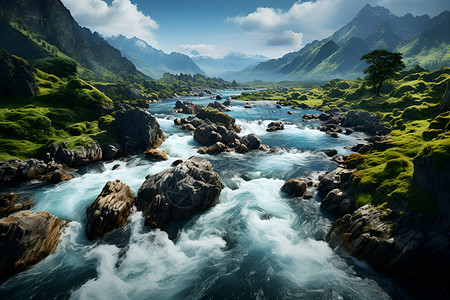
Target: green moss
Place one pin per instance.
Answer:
(363, 199)
(217, 117)
(105, 122)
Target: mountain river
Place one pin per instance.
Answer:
(256, 243)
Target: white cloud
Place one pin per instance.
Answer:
(204, 50)
(121, 17)
(286, 38)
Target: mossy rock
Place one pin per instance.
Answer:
(343, 85)
(104, 123)
(217, 117)
(61, 67)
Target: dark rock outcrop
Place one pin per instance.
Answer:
(57, 176)
(333, 180)
(179, 193)
(274, 126)
(137, 130)
(11, 203)
(26, 238)
(16, 77)
(337, 202)
(17, 170)
(433, 177)
(330, 152)
(219, 118)
(219, 106)
(110, 210)
(409, 246)
(310, 117)
(251, 141)
(365, 121)
(188, 107)
(111, 151)
(74, 158)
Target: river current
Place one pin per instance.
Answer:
(256, 243)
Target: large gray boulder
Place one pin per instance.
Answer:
(74, 158)
(17, 170)
(179, 193)
(187, 107)
(137, 130)
(365, 121)
(26, 238)
(110, 210)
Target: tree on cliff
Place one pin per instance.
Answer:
(383, 65)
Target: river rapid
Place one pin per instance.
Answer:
(256, 243)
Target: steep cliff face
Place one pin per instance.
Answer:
(16, 76)
(433, 176)
(51, 21)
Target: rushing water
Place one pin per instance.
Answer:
(257, 243)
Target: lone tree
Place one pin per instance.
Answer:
(383, 65)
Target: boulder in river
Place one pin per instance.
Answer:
(295, 187)
(26, 238)
(155, 154)
(274, 126)
(79, 157)
(137, 130)
(188, 107)
(179, 193)
(11, 203)
(110, 210)
(330, 152)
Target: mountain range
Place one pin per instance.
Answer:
(232, 62)
(34, 29)
(151, 61)
(422, 41)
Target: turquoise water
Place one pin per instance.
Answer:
(255, 244)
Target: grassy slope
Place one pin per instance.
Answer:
(410, 104)
(61, 111)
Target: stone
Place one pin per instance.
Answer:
(365, 121)
(116, 166)
(188, 107)
(251, 141)
(334, 135)
(248, 106)
(74, 158)
(308, 195)
(332, 202)
(333, 180)
(187, 127)
(11, 203)
(111, 151)
(274, 126)
(295, 187)
(217, 105)
(290, 112)
(207, 135)
(348, 131)
(57, 176)
(179, 193)
(216, 148)
(227, 103)
(331, 152)
(17, 170)
(218, 117)
(137, 130)
(26, 238)
(242, 149)
(110, 210)
(177, 162)
(155, 154)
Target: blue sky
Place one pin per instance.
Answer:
(266, 27)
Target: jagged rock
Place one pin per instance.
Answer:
(400, 245)
(11, 203)
(179, 193)
(251, 141)
(227, 103)
(57, 176)
(218, 97)
(26, 238)
(79, 157)
(137, 130)
(433, 176)
(217, 105)
(215, 149)
(278, 106)
(310, 117)
(295, 187)
(188, 107)
(365, 121)
(155, 154)
(274, 126)
(337, 202)
(219, 118)
(348, 131)
(177, 162)
(116, 166)
(331, 152)
(111, 151)
(16, 77)
(16, 170)
(242, 149)
(110, 210)
(333, 180)
(207, 135)
(187, 127)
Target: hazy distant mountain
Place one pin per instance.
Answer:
(421, 40)
(34, 29)
(232, 62)
(151, 61)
